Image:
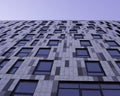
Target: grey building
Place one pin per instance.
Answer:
(60, 58)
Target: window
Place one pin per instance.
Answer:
(43, 67)
(29, 36)
(24, 52)
(53, 43)
(100, 32)
(82, 52)
(88, 89)
(3, 63)
(25, 88)
(73, 31)
(21, 43)
(49, 36)
(118, 63)
(34, 42)
(85, 43)
(9, 52)
(96, 36)
(78, 36)
(115, 53)
(112, 43)
(58, 31)
(94, 68)
(43, 52)
(15, 67)
(40, 36)
(62, 36)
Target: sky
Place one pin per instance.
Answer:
(59, 9)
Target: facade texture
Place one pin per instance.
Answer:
(60, 58)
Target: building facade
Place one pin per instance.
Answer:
(60, 58)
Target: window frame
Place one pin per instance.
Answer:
(38, 65)
(82, 56)
(23, 93)
(94, 72)
(85, 45)
(27, 53)
(42, 55)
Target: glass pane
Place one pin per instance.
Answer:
(41, 73)
(26, 50)
(18, 63)
(3, 63)
(53, 43)
(93, 67)
(26, 87)
(110, 86)
(112, 43)
(111, 92)
(91, 93)
(13, 70)
(82, 52)
(68, 85)
(85, 43)
(43, 52)
(22, 54)
(68, 92)
(89, 86)
(46, 66)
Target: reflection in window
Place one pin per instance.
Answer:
(25, 88)
(85, 43)
(115, 53)
(24, 52)
(43, 52)
(43, 67)
(15, 67)
(94, 68)
(82, 52)
(88, 89)
(53, 43)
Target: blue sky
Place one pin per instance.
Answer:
(59, 9)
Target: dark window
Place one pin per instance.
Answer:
(112, 43)
(15, 67)
(58, 31)
(96, 36)
(24, 52)
(29, 36)
(34, 42)
(94, 68)
(3, 63)
(43, 52)
(78, 36)
(9, 52)
(53, 43)
(82, 52)
(115, 53)
(100, 32)
(49, 36)
(43, 67)
(21, 43)
(118, 63)
(88, 89)
(40, 36)
(25, 88)
(85, 43)
(73, 31)
(62, 36)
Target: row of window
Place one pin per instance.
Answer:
(44, 52)
(111, 43)
(76, 36)
(44, 67)
(68, 88)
